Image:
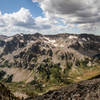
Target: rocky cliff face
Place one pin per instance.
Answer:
(42, 52)
(86, 90)
(20, 50)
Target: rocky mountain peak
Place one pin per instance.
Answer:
(38, 35)
(3, 37)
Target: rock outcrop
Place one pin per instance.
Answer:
(5, 94)
(86, 90)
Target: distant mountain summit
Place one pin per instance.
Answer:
(37, 35)
(3, 37)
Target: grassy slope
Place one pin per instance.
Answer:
(75, 75)
(80, 74)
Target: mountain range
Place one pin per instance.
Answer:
(33, 64)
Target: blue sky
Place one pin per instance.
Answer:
(49, 16)
(10, 6)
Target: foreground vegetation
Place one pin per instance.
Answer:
(52, 78)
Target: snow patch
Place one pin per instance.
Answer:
(21, 41)
(53, 42)
(31, 41)
(9, 39)
(56, 45)
(84, 39)
(21, 34)
(62, 46)
(72, 37)
(88, 38)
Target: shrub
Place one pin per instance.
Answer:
(2, 73)
(55, 74)
(9, 79)
(69, 65)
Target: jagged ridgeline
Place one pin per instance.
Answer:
(33, 63)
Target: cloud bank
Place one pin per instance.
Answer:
(21, 21)
(73, 16)
(83, 14)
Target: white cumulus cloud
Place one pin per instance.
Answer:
(21, 21)
(80, 13)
